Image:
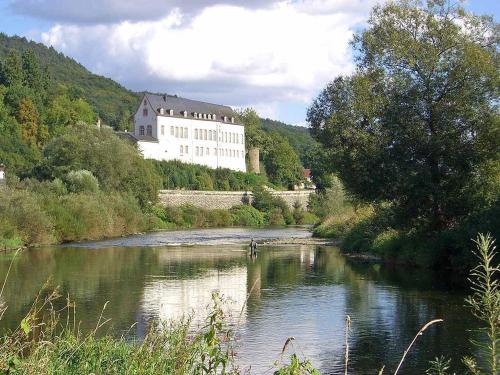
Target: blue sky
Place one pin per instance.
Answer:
(273, 55)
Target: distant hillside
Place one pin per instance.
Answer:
(298, 136)
(108, 98)
(111, 100)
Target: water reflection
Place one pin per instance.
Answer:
(300, 291)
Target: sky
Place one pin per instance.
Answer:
(273, 55)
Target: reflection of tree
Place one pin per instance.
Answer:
(386, 306)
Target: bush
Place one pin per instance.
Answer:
(177, 175)
(245, 215)
(81, 181)
(265, 202)
(275, 217)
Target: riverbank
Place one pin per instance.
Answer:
(375, 232)
(42, 213)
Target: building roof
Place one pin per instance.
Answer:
(179, 105)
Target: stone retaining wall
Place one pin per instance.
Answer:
(225, 199)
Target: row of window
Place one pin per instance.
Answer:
(211, 135)
(205, 151)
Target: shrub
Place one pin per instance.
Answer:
(245, 215)
(275, 217)
(81, 181)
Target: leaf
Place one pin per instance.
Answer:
(25, 326)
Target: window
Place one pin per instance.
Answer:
(145, 112)
(150, 130)
(205, 134)
(182, 149)
(176, 132)
(186, 150)
(225, 137)
(195, 133)
(209, 135)
(215, 152)
(163, 130)
(141, 130)
(201, 151)
(185, 132)
(172, 130)
(144, 101)
(208, 151)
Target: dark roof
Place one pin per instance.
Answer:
(179, 105)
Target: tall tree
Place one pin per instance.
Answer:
(282, 162)
(33, 76)
(419, 118)
(27, 116)
(254, 135)
(11, 70)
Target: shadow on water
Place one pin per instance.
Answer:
(302, 291)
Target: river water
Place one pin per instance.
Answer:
(304, 291)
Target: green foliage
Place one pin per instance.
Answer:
(247, 216)
(297, 367)
(485, 300)
(106, 97)
(177, 175)
(281, 162)
(419, 118)
(254, 135)
(81, 181)
(331, 201)
(276, 210)
(117, 165)
(297, 136)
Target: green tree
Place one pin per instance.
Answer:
(419, 117)
(33, 75)
(63, 111)
(281, 161)
(124, 122)
(254, 135)
(11, 70)
(116, 164)
(28, 118)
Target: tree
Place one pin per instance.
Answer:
(27, 116)
(33, 76)
(281, 161)
(419, 118)
(11, 71)
(115, 163)
(254, 135)
(63, 111)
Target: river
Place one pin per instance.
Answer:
(304, 291)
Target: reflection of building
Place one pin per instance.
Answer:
(171, 299)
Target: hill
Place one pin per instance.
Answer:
(110, 100)
(298, 137)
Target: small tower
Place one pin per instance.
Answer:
(253, 156)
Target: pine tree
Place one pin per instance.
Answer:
(11, 72)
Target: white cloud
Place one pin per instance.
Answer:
(227, 54)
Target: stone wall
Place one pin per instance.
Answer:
(225, 199)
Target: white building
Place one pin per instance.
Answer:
(171, 128)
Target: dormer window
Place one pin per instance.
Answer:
(184, 113)
(171, 112)
(232, 120)
(195, 115)
(214, 116)
(162, 111)
(204, 116)
(225, 118)
(209, 116)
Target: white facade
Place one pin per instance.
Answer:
(209, 139)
